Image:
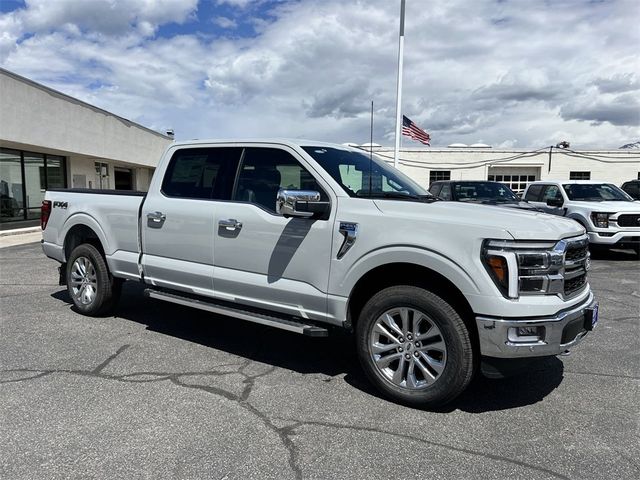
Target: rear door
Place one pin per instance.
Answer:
(178, 219)
(266, 260)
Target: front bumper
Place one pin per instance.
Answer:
(627, 237)
(562, 331)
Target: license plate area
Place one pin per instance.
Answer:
(590, 317)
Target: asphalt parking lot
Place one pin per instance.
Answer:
(162, 391)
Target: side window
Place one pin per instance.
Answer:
(551, 191)
(533, 194)
(264, 171)
(435, 189)
(445, 193)
(201, 173)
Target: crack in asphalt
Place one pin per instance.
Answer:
(596, 374)
(339, 426)
(284, 433)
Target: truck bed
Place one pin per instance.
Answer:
(111, 214)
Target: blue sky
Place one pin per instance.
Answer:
(509, 73)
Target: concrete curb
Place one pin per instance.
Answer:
(19, 231)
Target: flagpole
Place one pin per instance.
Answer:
(399, 92)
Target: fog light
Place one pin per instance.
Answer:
(525, 334)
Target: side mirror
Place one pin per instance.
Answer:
(300, 203)
(555, 202)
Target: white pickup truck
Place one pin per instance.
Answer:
(608, 214)
(305, 236)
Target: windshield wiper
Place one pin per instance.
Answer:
(399, 196)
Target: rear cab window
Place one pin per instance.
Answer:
(202, 173)
(533, 193)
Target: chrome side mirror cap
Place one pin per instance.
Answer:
(299, 203)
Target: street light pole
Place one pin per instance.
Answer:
(399, 92)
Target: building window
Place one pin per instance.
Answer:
(517, 183)
(24, 178)
(437, 175)
(579, 175)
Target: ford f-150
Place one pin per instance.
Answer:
(307, 236)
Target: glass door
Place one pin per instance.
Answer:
(35, 181)
(11, 198)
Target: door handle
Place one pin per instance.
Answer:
(156, 219)
(230, 224)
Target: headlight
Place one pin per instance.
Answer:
(525, 267)
(600, 219)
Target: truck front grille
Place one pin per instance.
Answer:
(576, 263)
(632, 220)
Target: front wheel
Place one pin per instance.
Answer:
(92, 288)
(414, 347)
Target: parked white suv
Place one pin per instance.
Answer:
(610, 216)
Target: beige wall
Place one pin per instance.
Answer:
(36, 118)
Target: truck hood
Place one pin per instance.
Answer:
(610, 207)
(520, 224)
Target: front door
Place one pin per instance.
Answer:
(263, 259)
(551, 192)
(178, 218)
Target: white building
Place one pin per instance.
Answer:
(515, 167)
(51, 140)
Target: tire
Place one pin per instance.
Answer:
(92, 288)
(438, 346)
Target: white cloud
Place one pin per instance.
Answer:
(225, 22)
(238, 3)
(510, 73)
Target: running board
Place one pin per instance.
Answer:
(261, 318)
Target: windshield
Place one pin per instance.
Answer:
(595, 192)
(483, 192)
(351, 170)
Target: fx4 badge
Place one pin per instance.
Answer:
(58, 204)
(350, 232)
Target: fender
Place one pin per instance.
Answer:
(421, 256)
(81, 218)
(578, 217)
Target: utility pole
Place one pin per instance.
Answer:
(396, 150)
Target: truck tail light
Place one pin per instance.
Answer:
(45, 211)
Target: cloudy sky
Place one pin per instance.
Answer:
(511, 73)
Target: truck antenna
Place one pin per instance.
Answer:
(371, 154)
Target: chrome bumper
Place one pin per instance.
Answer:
(495, 341)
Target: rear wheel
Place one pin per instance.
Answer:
(414, 346)
(92, 288)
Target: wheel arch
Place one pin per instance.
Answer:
(580, 218)
(80, 233)
(404, 273)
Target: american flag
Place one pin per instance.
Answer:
(410, 129)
